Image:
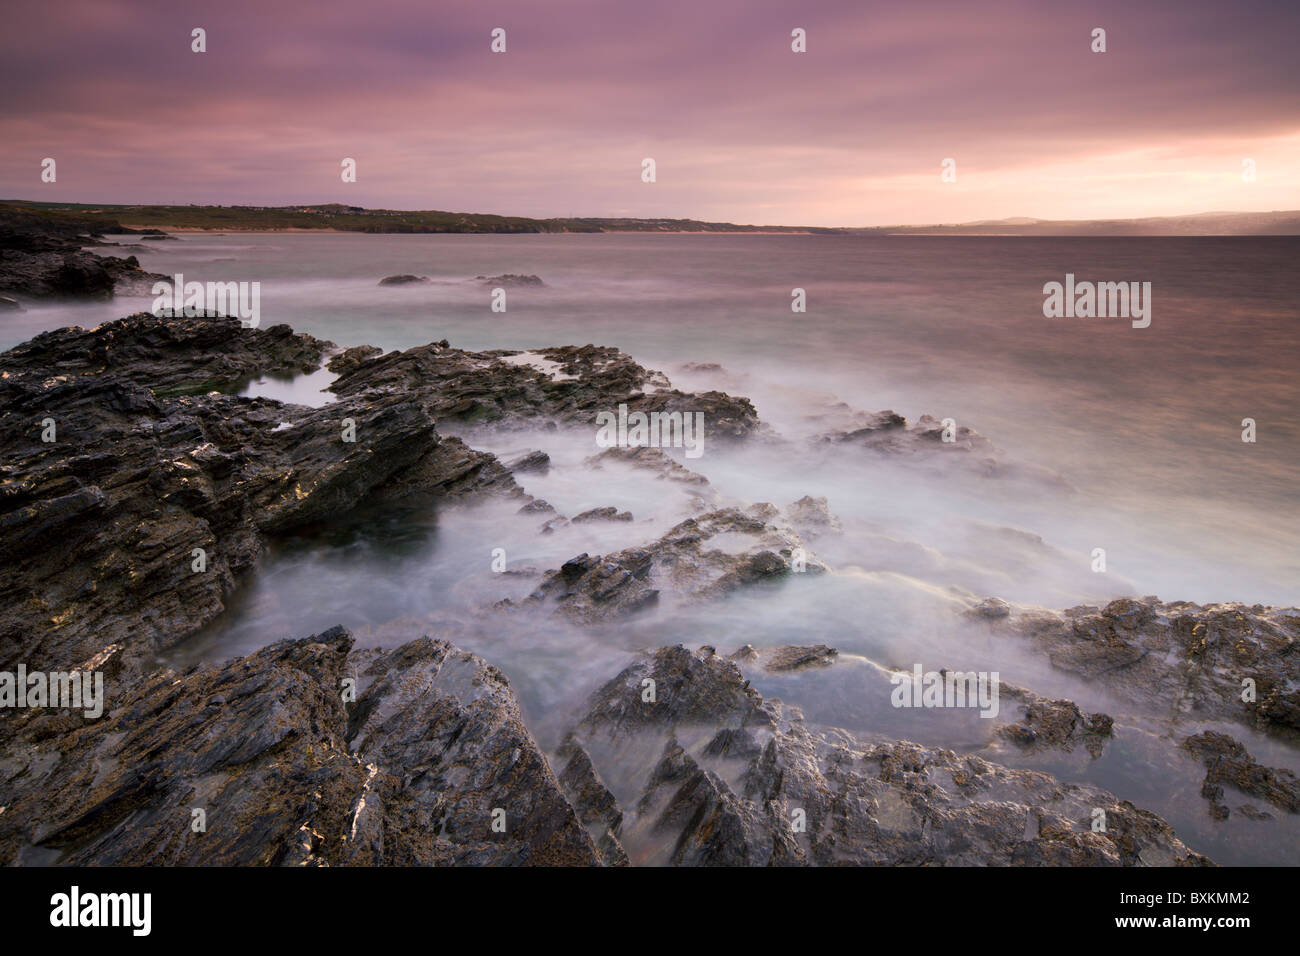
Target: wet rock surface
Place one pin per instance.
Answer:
(786, 658)
(1054, 724)
(700, 558)
(889, 433)
(704, 771)
(1228, 764)
(288, 771)
(108, 486)
(467, 390)
(43, 257)
(1216, 662)
(170, 356)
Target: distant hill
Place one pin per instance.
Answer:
(86, 217)
(348, 219)
(1283, 223)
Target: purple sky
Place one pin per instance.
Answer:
(741, 128)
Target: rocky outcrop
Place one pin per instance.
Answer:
(537, 462)
(889, 433)
(1045, 724)
(404, 279)
(41, 256)
(171, 356)
(298, 755)
(128, 512)
(136, 492)
(467, 390)
(688, 765)
(309, 752)
(77, 274)
(602, 514)
(349, 359)
(683, 565)
(1215, 662)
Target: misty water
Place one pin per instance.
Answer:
(1127, 439)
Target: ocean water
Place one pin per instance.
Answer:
(1140, 429)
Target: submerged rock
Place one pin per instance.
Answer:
(1228, 763)
(510, 279)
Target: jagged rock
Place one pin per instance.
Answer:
(287, 773)
(681, 563)
(349, 359)
(537, 462)
(702, 367)
(594, 804)
(889, 433)
(707, 772)
(466, 390)
(788, 657)
(99, 527)
(1228, 763)
(602, 514)
(991, 608)
(42, 257)
(444, 729)
(1054, 724)
(171, 356)
(1198, 659)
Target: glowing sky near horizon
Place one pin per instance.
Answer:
(851, 132)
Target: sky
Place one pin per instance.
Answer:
(852, 132)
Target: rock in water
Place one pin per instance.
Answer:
(703, 771)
